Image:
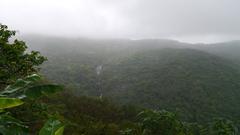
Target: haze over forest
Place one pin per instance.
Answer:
(127, 67)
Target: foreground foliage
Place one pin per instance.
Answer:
(25, 90)
(15, 62)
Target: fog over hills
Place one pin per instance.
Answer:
(119, 67)
(174, 75)
(228, 49)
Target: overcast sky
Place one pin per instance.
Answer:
(185, 20)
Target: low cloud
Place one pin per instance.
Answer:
(124, 19)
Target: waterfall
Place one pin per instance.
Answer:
(98, 83)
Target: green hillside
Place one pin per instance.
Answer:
(117, 87)
(143, 73)
(184, 80)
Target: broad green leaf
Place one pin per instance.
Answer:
(19, 84)
(12, 126)
(52, 127)
(39, 90)
(17, 88)
(60, 131)
(33, 78)
(9, 102)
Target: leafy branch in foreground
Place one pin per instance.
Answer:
(15, 62)
(52, 127)
(166, 123)
(22, 91)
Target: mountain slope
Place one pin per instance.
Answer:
(184, 80)
(142, 72)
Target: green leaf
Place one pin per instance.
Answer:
(60, 131)
(19, 84)
(9, 102)
(52, 127)
(16, 89)
(40, 90)
(11, 126)
(33, 78)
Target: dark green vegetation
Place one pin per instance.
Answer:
(14, 62)
(201, 81)
(17, 63)
(195, 86)
(187, 81)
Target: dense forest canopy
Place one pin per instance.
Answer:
(173, 75)
(119, 67)
(117, 87)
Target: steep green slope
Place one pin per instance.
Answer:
(73, 62)
(141, 73)
(184, 80)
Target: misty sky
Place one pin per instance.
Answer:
(185, 20)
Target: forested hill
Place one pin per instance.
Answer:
(200, 84)
(184, 80)
(59, 45)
